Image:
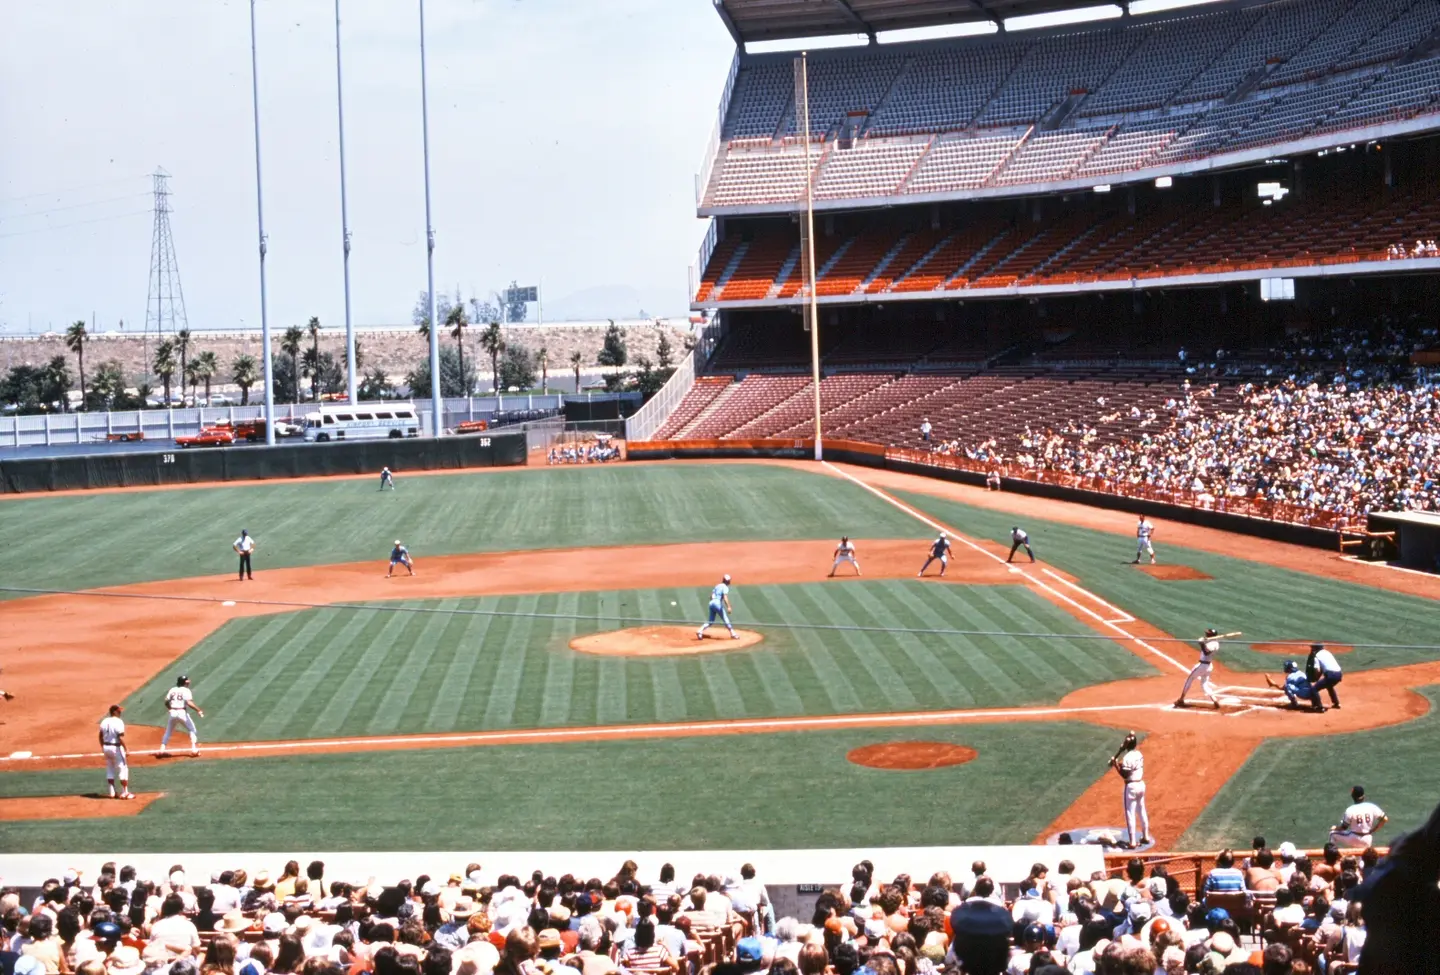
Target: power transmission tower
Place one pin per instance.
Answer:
(165, 298)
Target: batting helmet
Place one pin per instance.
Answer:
(181, 681)
(1291, 666)
(726, 580)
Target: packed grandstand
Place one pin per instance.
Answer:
(1053, 253)
(1279, 908)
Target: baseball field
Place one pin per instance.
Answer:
(538, 684)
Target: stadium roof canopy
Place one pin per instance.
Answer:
(760, 20)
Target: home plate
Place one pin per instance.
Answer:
(1014, 570)
(22, 754)
(228, 602)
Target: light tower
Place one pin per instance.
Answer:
(165, 298)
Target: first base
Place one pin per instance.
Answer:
(228, 602)
(22, 754)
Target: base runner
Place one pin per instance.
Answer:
(845, 552)
(180, 702)
(112, 744)
(1209, 646)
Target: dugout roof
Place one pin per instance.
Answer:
(759, 20)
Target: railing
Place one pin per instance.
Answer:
(650, 417)
(1265, 509)
(702, 257)
(712, 148)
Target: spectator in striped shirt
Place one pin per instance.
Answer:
(646, 954)
(1226, 877)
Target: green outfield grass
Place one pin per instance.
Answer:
(1297, 788)
(743, 792)
(84, 541)
(347, 672)
(1264, 602)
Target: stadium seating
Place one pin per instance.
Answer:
(993, 250)
(1078, 103)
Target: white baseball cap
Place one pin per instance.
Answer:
(397, 541)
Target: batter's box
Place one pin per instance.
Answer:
(1173, 573)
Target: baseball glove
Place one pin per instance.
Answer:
(7, 695)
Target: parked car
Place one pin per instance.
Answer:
(208, 437)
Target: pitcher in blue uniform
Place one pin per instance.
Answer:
(719, 609)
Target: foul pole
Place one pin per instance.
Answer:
(437, 403)
(811, 313)
(350, 379)
(269, 367)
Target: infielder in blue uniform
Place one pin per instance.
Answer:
(1297, 685)
(400, 555)
(939, 549)
(1019, 538)
(719, 609)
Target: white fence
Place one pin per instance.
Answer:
(650, 417)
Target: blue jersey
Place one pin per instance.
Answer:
(939, 547)
(399, 553)
(718, 594)
(1297, 684)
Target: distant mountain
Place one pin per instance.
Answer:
(613, 301)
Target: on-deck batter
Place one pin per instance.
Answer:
(845, 552)
(1130, 765)
(180, 702)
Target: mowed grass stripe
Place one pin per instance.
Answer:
(1267, 603)
(352, 672)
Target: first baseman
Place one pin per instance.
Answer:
(1019, 537)
(112, 744)
(400, 555)
(1143, 531)
(1209, 646)
(386, 479)
(939, 549)
(719, 609)
(845, 552)
(180, 702)
(1129, 764)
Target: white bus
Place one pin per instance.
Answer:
(341, 421)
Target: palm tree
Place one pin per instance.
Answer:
(542, 359)
(75, 337)
(310, 367)
(575, 359)
(191, 378)
(313, 327)
(290, 344)
(492, 340)
(182, 342)
(245, 373)
(109, 383)
(166, 364)
(457, 323)
(206, 367)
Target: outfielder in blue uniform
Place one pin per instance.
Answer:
(719, 609)
(939, 549)
(1296, 687)
(386, 479)
(400, 555)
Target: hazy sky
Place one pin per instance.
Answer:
(564, 139)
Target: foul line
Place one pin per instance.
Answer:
(606, 732)
(1120, 615)
(1029, 578)
(1386, 565)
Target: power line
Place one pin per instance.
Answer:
(77, 223)
(689, 621)
(73, 189)
(72, 206)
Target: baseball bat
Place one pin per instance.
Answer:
(1121, 750)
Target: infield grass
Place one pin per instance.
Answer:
(450, 665)
(1266, 603)
(1297, 788)
(86, 541)
(741, 792)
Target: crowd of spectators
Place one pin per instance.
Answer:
(1421, 248)
(307, 923)
(600, 450)
(1343, 424)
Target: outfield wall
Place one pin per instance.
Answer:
(199, 465)
(908, 462)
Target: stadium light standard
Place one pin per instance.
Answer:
(437, 405)
(350, 385)
(269, 367)
(812, 306)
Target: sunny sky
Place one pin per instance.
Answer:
(564, 141)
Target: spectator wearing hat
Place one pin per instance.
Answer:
(124, 960)
(454, 934)
(479, 951)
(261, 896)
(1030, 941)
(549, 948)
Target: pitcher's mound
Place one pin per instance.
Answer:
(911, 756)
(1172, 573)
(662, 641)
(73, 807)
(1298, 649)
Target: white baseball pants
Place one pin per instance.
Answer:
(1137, 818)
(845, 558)
(179, 719)
(1347, 840)
(115, 766)
(1200, 672)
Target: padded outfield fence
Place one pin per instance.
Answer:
(151, 469)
